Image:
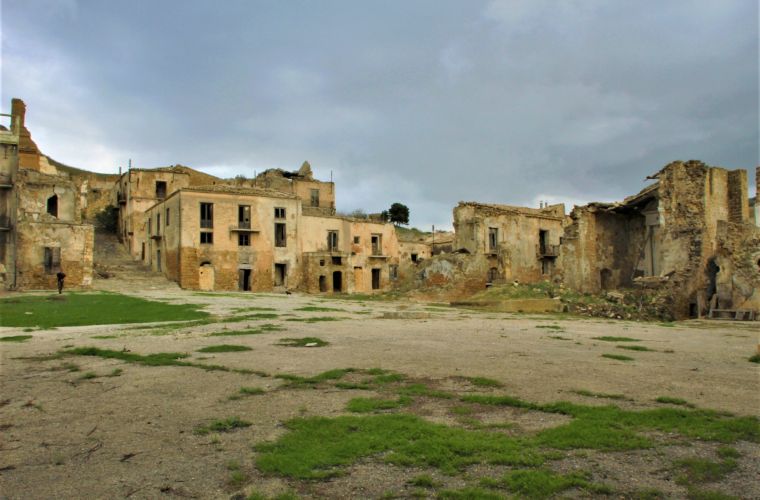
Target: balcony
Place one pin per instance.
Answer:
(5, 182)
(5, 223)
(156, 237)
(548, 251)
(243, 228)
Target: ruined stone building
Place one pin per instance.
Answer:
(42, 229)
(510, 243)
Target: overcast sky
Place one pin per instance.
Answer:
(423, 102)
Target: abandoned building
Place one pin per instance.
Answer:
(693, 234)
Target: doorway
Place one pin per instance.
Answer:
(337, 281)
(244, 280)
(605, 279)
(158, 260)
(206, 276)
(279, 274)
(376, 279)
(358, 279)
(323, 283)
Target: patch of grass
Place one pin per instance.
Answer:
(484, 382)
(303, 342)
(353, 386)
(635, 348)
(590, 394)
(616, 339)
(226, 425)
(674, 401)
(70, 367)
(539, 483)
(387, 377)
(91, 309)
(755, 358)
(268, 327)
(260, 315)
(699, 494)
(251, 391)
(116, 372)
(15, 338)
(315, 319)
(329, 375)
(728, 452)
(319, 447)
(104, 337)
(225, 348)
(549, 327)
(368, 405)
(469, 493)
(423, 481)
(618, 357)
(88, 376)
(319, 309)
(700, 470)
(157, 359)
(462, 410)
(612, 428)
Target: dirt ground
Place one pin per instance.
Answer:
(131, 436)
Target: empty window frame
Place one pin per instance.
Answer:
(52, 205)
(158, 224)
(393, 272)
(244, 216)
(279, 213)
(357, 240)
(244, 240)
(160, 190)
(377, 244)
(493, 238)
(52, 259)
(332, 241)
(207, 215)
(207, 238)
(167, 217)
(280, 234)
(315, 197)
(414, 257)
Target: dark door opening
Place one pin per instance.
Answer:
(158, 260)
(244, 280)
(337, 281)
(712, 281)
(605, 279)
(323, 283)
(279, 274)
(543, 236)
(52, 205)
(376, 279)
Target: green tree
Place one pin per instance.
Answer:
(399, 214)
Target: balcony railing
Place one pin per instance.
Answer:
(548, 250)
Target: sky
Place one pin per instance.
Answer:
(423, 102)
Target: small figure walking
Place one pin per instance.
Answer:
(60, 275)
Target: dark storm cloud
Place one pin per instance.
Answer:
(424, 102)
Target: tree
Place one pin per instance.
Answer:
(107, 220)
(399, 214)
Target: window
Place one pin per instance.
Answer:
(158, 223)
(52, 259)
(414, 257)
(332, 241)
(337, 261)
(150, 226)
(207, 215)
(315, 197)
(160, 190)
(280, 235)
(356, 240)
(279, 213)
(493, 238)
(207, 238)
(244, 240)
(377, 244)
(244, 216)
(167, 216)
(393, 272)
(52, 205)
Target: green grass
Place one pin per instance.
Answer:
(328, 376)
(590, 394)
(319, 309)
(469, 493)
(618, 357)
(728, 452)
(157, 359)
(116, 372)
(251, 391)
(88, 376)
(226, 425)
(225, 348)
(538, 483)
(15, 338)
(315, 319)
(484, 382)
(700, 470)
(674, 401)
(423, 481)
(268, 327)
(549, 327)
(386, 377)
(612, 428)
(559, 337)
(368, 405)
(303, 342)
(607, 338)
(423, 390)
(699, 494)
(319, 447)
(75, 309)
(260, 315)
(104, 337)
(755, 358)
(635, 348)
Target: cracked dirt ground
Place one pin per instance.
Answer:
(132, 435)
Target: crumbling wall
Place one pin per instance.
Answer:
(738, 258)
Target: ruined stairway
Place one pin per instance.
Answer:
(116, 271)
